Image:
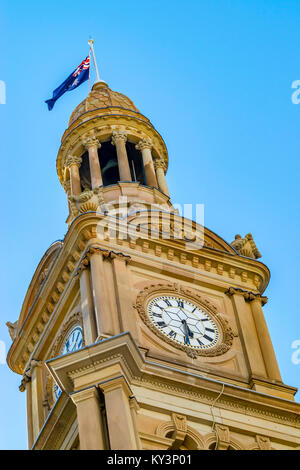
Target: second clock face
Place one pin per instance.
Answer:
(72, 343)
(183, 322)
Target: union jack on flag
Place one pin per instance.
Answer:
(76, 78)
(85, 64)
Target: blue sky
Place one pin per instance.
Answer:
(215, 79)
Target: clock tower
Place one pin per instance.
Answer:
(143, 329)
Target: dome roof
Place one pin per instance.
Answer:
(101, 96)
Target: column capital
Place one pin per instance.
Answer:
(96, 250)
(91, 141)
(118, 136)
(25, 379)
(73, 160)
(248, 295)
(115, 383)
(35, 363)
(83, 265)
(159, 163)
(28, 373)
(84, 394)
(119, 255)
(144, 144)
(107, 254)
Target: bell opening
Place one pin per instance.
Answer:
(135, 163)
(85, 174)
(109, 163)
(108, 160)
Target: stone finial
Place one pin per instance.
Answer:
(12, 329)
(246, 246)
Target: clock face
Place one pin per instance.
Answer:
(183, 322)
(72, 343)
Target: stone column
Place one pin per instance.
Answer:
(119, 419)
(119, 140)
(89, 416)
(37, 397)
(134, 407)
(73, 163)
(264, 338)
(145, 147)
(92, 144)
(159, 166)
(26, 386)
(123, 289)
(247, 332)
(87, 307)
(99, 291)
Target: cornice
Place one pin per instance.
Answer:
(238, 268)
(137, 371)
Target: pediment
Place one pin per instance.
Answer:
(158, 225)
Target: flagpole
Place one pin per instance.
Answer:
(91, 43)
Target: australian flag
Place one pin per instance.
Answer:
(77, 77)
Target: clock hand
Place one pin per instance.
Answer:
(188, 333)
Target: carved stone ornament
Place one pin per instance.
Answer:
(263, 442)
(90, 141)
(159, 163)
(160, 288)
(246, 246)
(12, 329)
(86, 201)
(73, 160)
(223, 436)
(144, 144)
(118, 136)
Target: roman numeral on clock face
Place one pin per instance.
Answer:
(172, 334)
(159, 315)
(207, 337)
(162, 324)
(158, 306)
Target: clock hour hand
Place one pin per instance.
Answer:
(188, 333)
